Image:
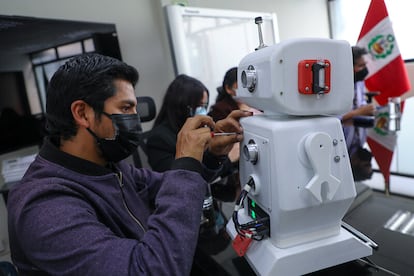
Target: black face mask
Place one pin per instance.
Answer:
(126, 139)
(360, 75)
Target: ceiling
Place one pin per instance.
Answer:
(22, 35)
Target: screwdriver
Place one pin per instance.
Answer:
(213, 134)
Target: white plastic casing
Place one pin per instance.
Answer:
(298, 212)
(276, 77)
(297, 156)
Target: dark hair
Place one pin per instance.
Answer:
(183, 95)
(357, 52)
(229, 79)
(88, 77)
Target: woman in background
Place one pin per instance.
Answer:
(225, 101)
(187, 97)
(228, 188)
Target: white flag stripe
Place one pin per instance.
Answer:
(384, 28)
(388, 141)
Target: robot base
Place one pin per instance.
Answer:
(267, 259)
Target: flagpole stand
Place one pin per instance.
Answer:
(387, 188)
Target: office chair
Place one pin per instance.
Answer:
(147, 110)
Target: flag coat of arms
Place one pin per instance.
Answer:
(387, 75)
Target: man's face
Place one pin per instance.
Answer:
(123, 102)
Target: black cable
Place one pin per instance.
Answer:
(255, 229)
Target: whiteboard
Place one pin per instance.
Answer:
(205, 43)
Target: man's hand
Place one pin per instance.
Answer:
(234, 154)
(194, 136)
(222, 145)
(366, 110)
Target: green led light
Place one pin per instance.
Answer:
(253, 203)
(253, 214)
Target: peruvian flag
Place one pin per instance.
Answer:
(387, 74)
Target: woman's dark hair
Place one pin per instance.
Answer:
(229, 79)
(183, 95)
(357, 52)
(87, 77)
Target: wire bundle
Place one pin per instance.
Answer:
(255, 229)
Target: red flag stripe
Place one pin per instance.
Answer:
(383, 156)
(377, 11)
(392, 80)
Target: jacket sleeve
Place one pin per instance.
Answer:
(169, 244)
(63, 230)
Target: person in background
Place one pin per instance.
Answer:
(187, 97)
(224, 105)
(355, 136)
(81, 209)
(225, 101)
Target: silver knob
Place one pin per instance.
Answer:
(251, 152)
(249, 78)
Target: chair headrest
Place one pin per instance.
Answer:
(146, 108)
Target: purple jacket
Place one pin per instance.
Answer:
(356, 137)
(69, 216)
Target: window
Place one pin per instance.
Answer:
(70, 49)
(44, 56)
(46, 62)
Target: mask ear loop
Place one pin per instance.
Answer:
(97, 139)
(113, 125)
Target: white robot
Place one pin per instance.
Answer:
(294, 161)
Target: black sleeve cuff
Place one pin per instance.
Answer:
(213, 162)
(187, 163)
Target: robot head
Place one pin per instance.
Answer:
(311, 76)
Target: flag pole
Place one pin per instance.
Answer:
(387, 187)
(388, 75)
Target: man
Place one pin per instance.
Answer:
(80, 210)
(355, 135)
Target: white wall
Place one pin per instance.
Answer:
(142, 34)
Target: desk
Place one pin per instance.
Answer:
(4, 187)
(394, 247)
(369, 216)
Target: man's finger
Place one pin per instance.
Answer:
(200, 121)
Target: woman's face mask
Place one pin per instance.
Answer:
(126, 139)
(200, 110)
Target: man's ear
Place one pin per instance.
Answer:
(81, 113)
